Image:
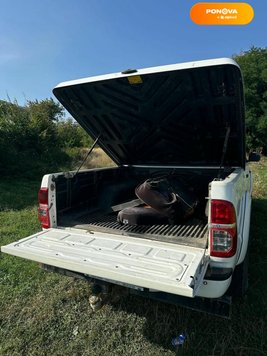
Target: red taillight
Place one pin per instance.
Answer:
(222, 212)
(223, 232)
(43, 210)
(43, 196)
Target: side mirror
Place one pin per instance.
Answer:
(254, 157)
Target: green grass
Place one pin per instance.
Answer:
(48, 314)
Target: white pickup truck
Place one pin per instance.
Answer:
(187, 119)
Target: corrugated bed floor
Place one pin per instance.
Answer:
(192, 233)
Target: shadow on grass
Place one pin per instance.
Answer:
(258, 226)
(205, 334)
(19, 193)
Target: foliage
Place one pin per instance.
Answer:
(72, 135)
(253, 64)
(34, 137)
(42, 118)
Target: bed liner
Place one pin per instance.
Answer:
(193, 232)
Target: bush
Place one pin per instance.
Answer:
(253, 64)
(29, 137)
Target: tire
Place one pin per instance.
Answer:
(239, 284)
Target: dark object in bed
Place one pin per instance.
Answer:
(167, 201)
(141, 215)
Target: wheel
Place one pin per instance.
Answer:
(239, 284)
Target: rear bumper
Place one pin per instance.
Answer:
(215, 283)
(219, 306)
(215, 306)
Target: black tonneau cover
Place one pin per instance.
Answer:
(175, 115)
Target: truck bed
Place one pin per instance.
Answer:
(191, 233)
(91, 200)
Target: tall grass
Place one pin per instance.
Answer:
(98, 158)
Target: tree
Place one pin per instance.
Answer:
(43, 118)
(13, 132)
(69, 134)
(253, 64)
(29, 137)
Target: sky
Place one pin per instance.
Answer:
(45, 42)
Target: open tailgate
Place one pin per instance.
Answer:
(149, 264)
